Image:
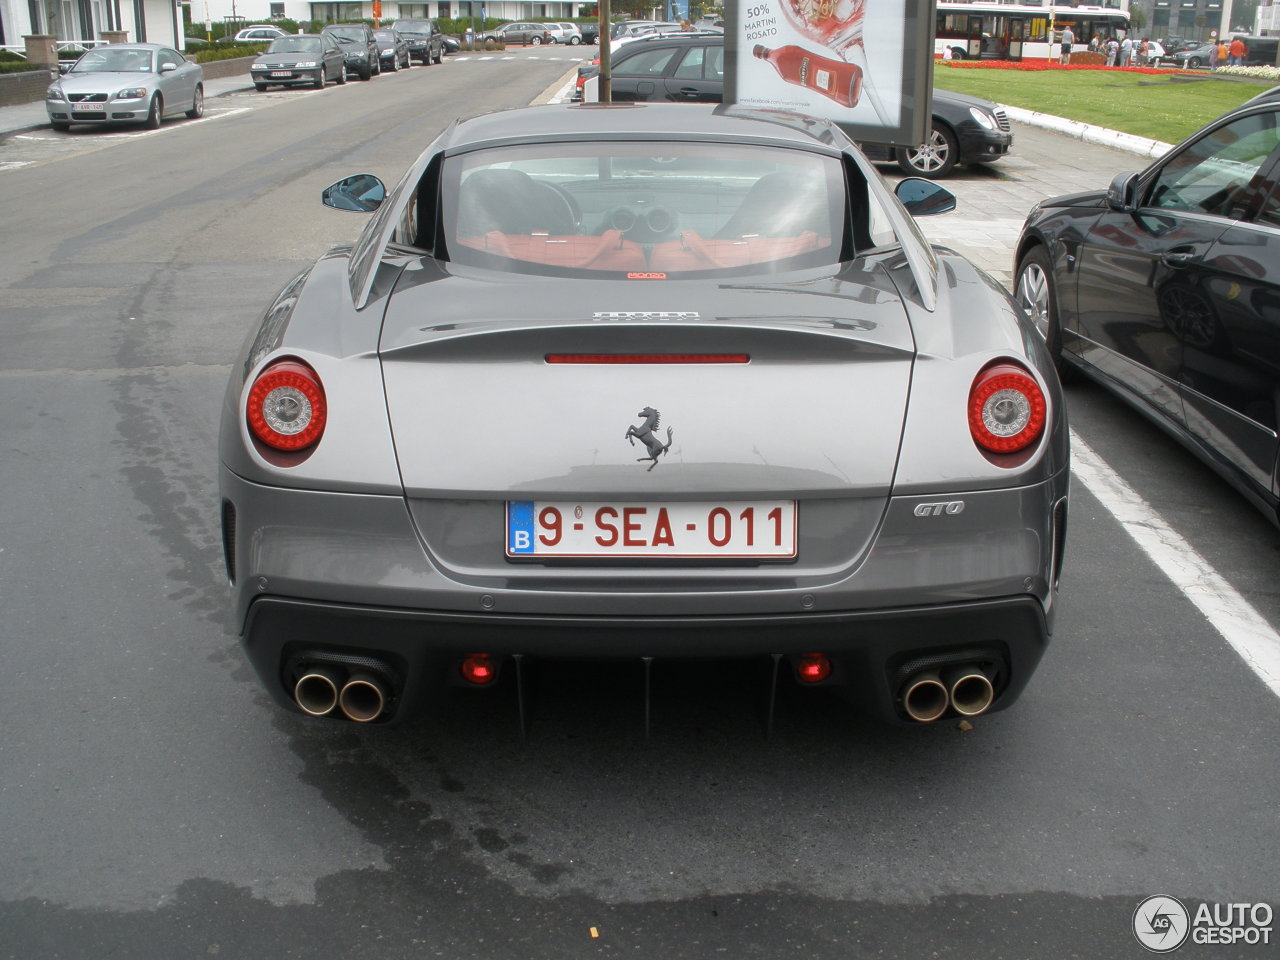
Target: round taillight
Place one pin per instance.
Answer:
(813, 667)
(479, 669)
(286, 409)
(1006, 409)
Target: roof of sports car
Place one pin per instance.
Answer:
(644, 121)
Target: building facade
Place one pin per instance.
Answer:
(149, 21)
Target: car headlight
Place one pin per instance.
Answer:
(307, 63)
(984, 119)
(55, 93)
(258, 66)
(387, 52)
(132, 93)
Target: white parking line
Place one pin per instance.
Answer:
(1223, 606)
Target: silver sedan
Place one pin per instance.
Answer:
(126, 83)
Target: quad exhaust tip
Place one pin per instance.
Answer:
(964, 688)
(316, 691)
(323, 688)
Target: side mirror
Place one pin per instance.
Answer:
(924, 198)
(363, 192)
(63, 68)
(1122, 195)
(167, 67)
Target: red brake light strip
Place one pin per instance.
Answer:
(639, 358)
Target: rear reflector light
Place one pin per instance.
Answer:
(648, 358)
(813, 668)
(479, 669)
(286, 408)
(1006, 409)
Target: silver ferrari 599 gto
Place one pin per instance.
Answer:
(643, 382)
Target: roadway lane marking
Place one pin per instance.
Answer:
(1222, 605)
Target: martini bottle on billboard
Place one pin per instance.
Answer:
(836, 79)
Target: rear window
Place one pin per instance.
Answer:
(644, 209)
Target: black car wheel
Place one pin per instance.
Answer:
(934, 158)
(536, 41)
(197, 104)
(395, 65)
(260, 87)
(574, 41)
(377, 66)
(1037, 299)
(366, 73)
(322, 78)
(439, 57)
(342, 74)
(156, 112)
(1193, 63)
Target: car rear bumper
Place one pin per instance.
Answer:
(874, 654)
(345, 577)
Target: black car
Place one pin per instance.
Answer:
(689, 68)
(393, 50)
(358, 46)
(297, 59)
(1189, 56)
(590, 31)
(426, 42)
(1166, 290)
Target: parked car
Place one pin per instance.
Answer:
(1189, 57)
(126, 83)
(451, 42)
(645, 28)
(359, 46)
(692, 499)
(311, 58)
(1165, 289)
(393, 50)
(689, 67)
(426, 42)
(590, 31)
(260, 33)
(520, 32)
(566, 33)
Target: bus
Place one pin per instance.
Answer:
(990, 30)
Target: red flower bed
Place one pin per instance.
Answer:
(1038, 65)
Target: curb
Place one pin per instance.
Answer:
(1090, 133)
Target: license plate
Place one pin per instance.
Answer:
(281, 73)
(89, 107)
(744, 529)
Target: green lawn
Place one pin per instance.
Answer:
(1162, 107)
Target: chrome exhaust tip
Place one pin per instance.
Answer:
(925, 697)
(316, 692)
(970, 690)
(363, 697)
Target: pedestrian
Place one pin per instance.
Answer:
(1126, 51)
(1142, 52)
(1068, 38)
(1213, 55)
(1224, 53)
(1095, 43)
(1238, 52)
(1113, 51)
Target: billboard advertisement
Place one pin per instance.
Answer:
(864, 64)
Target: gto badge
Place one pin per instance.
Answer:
(950, 509)
(645, 434)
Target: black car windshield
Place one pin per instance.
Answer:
(415, 27)
(108, 60)
(386, 36)
(348, 34)
(295, 45)
(644, 209)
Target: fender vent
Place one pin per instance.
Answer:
(229, 539)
